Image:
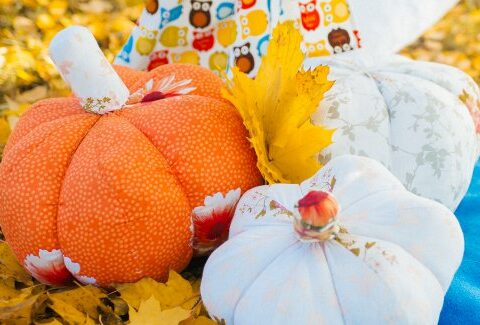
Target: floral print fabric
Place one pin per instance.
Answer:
(374, 264)
(413, 117)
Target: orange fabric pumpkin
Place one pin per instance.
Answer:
(108, 198)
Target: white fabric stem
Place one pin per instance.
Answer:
(76, 54)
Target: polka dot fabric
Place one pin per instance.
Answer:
(205, 137)
(115, 192)
(31, 176)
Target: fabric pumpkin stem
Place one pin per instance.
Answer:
(82, 65)
(317, 217)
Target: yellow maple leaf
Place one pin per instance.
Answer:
(4, 131)
(18, 310)
(276, 108)
(52, 321)
(135, 293)
(10, 269)
(201, 320)
(150, 312)
(69, 313)
(120, 306)
(7, 291)
(85, 299)
(176, 292)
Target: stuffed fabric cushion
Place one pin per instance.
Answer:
(371, 271)
(382, 26)
(230, 32)
(106, 196)
(419, 119)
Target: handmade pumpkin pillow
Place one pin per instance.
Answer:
(348, 246)
(101, 186)
(421, 120)
(386, 26)
(219, 34)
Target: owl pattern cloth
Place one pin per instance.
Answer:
(219, 34)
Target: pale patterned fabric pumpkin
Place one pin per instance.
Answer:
(387, 257)
(419, 119)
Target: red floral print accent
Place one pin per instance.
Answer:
(164, 88)
(211, 222)
(48, 267)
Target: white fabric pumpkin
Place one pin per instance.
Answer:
(392, 262)
(414, 117)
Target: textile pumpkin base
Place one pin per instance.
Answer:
(380, 103)
(362, 257)
(107, 198)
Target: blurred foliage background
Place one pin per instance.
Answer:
(455, 40)
(27, 26)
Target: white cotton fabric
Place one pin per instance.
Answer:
(84, 67)
(408, 115)
(265, 275)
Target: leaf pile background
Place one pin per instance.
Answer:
(26, 28)
(27, 75)
(25, 301)
(455, 40)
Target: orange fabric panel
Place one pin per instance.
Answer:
(204, 141)
(32, 176)
(43, 111)
(130, 76)
(123, 214)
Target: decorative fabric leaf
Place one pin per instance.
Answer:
(276, 108)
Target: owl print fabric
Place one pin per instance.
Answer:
(219, 34)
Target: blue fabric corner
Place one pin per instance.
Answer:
(462, 303)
